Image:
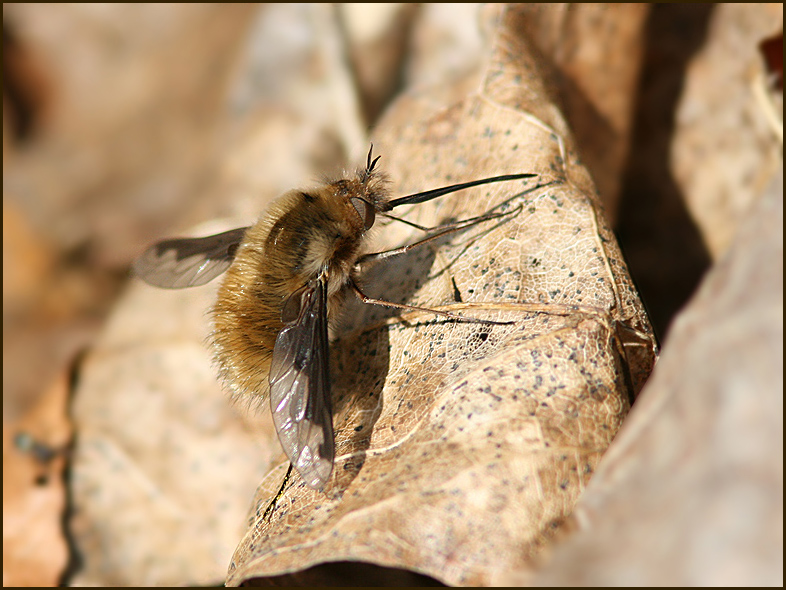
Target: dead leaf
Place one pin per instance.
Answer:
(377, 38)
(26, 259)
(663, 247)
(163, 466)
(49, 312)
(691, 491)
(723, 149)
(447, 43)
(35, 552)
(594, 52)
(461, 448)
(114, 157)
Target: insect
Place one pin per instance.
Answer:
(286, 276)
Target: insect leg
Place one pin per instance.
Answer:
(441, 230)
(456, 225)
(278, 495)
(371, 301)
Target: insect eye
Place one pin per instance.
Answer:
(365, 210)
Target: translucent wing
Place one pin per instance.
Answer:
(188, 262)
(300, 388)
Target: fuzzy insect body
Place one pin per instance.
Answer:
(286, 275)
(293, 263)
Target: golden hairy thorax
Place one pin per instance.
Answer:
(302, 235)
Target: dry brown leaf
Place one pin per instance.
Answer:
(724, 151)
(448, 42)
(691, 491)
(26, 259)
(663, 248)
(42, 301)
(163, 466)
(104, 153)
(461, 448)
(35, 552)
(117, 153)
(377, 38)
(595, 51)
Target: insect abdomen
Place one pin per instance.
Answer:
(301, 236)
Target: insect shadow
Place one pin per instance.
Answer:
(360, 357)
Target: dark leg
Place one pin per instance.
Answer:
(441, 230)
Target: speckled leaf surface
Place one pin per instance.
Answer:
(461, 448)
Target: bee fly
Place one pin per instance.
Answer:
(286, 275)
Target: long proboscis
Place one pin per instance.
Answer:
(438, 192)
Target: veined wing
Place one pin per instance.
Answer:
(300, 388)
(188, 262)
